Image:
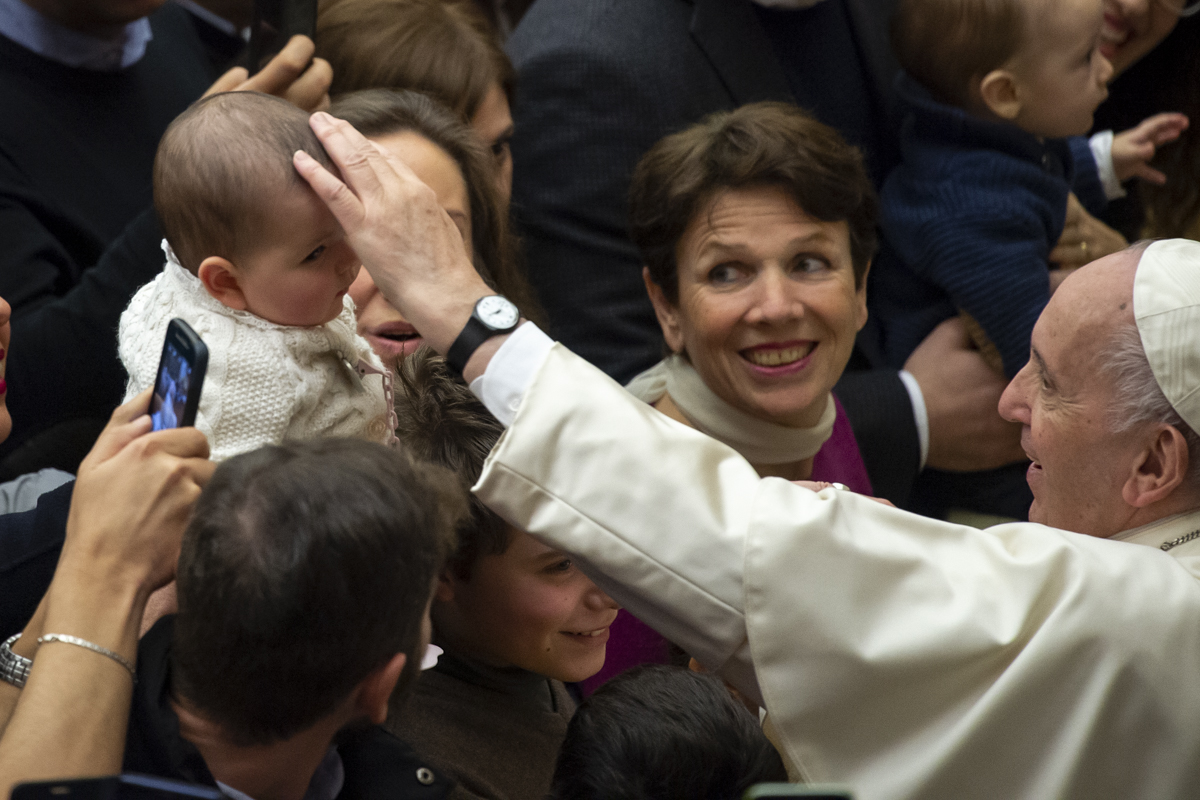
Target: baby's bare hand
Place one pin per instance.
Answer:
(1133, 149)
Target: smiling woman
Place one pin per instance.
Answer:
(757, 228)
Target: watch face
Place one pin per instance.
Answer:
(497, 312)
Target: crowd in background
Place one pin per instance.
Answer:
(825, 234)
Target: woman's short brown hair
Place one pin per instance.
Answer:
(380, 112)
(443, 48)
(763, 144)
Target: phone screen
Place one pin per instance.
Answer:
(170, 388)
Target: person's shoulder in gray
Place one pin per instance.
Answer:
(21, 494)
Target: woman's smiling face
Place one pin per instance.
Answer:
(768, 308)
(1132, 28)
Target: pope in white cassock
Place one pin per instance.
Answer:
(903, 656)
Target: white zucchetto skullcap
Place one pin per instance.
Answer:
(1166, 306)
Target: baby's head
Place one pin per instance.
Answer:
(1034, 63)
(239, 216)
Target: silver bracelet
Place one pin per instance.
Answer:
(104, 651)
(14, 669)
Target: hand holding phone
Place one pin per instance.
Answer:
(180, 378)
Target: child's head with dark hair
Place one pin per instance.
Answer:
(1034, 63)
(505, 598)
(239, 217)
(663, 733)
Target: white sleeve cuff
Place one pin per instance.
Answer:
(1101, 145)
(511, 371)
(920, 414)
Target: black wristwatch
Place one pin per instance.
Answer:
(493, 315)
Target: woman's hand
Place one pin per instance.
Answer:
(406, 241)
(292, 74)
(133, 497)
(1084, 238)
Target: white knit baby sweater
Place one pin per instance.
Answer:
(266, 383)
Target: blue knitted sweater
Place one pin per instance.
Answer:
(969, 219)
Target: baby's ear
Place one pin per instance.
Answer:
(220, 278)
(998, 91)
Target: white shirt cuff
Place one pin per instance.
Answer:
(511, 371)
(920, 414)
(1101, 145)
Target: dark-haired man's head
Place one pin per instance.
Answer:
(305, 573)
(1034, 63)
(663, 733)
(239, 217)
(505, 598)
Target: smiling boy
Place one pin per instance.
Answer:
(516, 617)
(258, 266)
(993, 89)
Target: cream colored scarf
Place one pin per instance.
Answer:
(759, 441)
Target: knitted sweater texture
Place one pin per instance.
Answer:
(266, 383)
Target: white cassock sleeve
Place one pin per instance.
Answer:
(902, 655)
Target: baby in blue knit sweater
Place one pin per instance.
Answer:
(995, 90)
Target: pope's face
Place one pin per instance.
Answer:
(1063, 399)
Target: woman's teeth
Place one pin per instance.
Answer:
(775, 358)
(596, 632)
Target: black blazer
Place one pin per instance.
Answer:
(599, 82)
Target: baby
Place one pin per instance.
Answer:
(259, 268)
(970, 216)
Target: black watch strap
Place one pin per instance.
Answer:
(475, 333)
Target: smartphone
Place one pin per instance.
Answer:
(273, 23)
(129, 786)
(782, 791)
(180, 378)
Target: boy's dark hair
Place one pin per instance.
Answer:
(663, 733)
(382, 112)
(442, 422)
(947, 45)
(217, 167)
(762, 144)
(305, 567)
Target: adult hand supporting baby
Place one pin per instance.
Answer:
(1084, 238)
(962, 395)
(405, 239)
(292, 74)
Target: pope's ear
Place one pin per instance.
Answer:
(998, 91)
(221, 280)
(668, 315)
(1160, 469)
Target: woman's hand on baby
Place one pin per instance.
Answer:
(1133, 149)
(292, 74)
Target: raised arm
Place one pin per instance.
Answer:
(131, 502)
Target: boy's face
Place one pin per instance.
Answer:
(1060, 74)
(527, 607)
(301, 266)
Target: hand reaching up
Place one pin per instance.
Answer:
(1133, 149)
